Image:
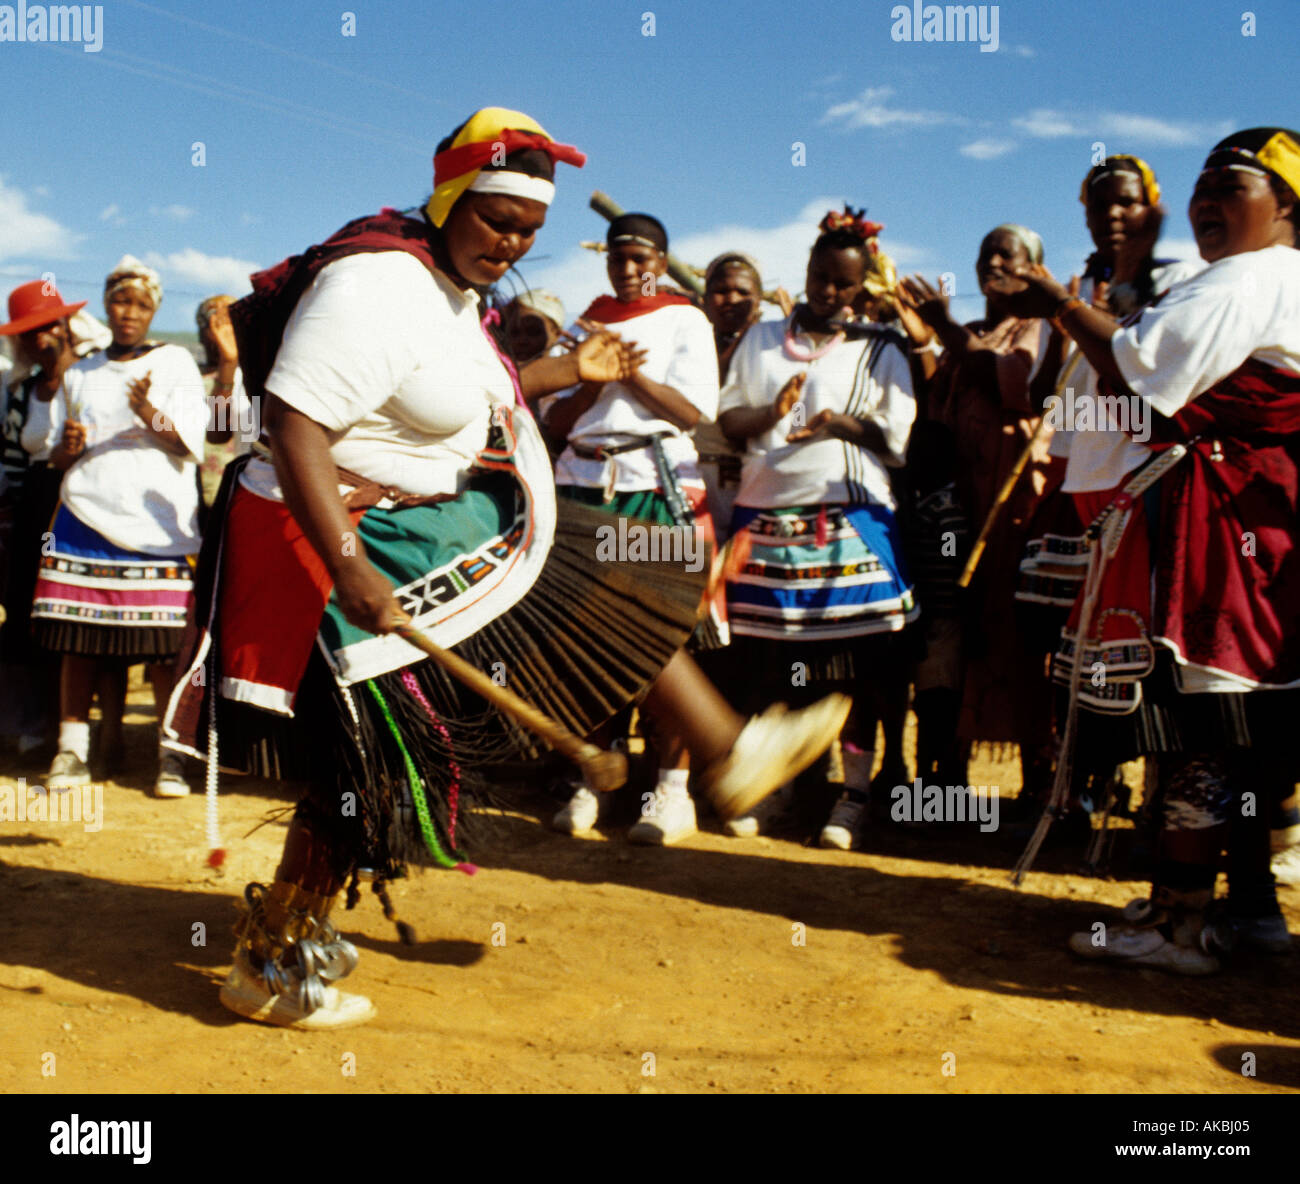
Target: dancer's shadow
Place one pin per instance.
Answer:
(988, 937)
(166, 946)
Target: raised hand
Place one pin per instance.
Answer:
(789, 395)
(1029, 290)
(138, 396)
(928, 303)
(223, 332)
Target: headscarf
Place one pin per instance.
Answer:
(544, 304)
(1130, 165)
(478, 158)
(1270, 151)
(1027, 238)
(131, 271)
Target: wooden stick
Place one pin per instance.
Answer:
(1004, 494)
(603, 770)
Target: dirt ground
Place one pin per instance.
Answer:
(720, 965)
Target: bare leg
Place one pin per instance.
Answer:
(76, 688)
(110, 685)
(683, 700)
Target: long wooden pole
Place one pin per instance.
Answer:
(603, 770)
(1004, 494)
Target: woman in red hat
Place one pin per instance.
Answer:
(115, 579)
(50, 334)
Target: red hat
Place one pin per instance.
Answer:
(35, 304)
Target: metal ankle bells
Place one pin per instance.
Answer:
(300, 959)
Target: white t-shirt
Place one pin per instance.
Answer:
(390, 359)
(868, 378)
(678, 340)
(1244, 306)
(125, 485)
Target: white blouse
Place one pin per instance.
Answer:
(126, 485)
(868, 378)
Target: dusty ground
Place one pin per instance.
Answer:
(618, 968)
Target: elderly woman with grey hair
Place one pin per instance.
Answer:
(980, 394)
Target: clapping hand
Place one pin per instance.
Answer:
(789, 395)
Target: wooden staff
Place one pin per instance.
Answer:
(1004, 495)
(603, 770)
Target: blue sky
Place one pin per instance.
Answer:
(304, 128)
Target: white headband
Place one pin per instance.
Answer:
(514, 185)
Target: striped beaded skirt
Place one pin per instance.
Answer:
(96, 599)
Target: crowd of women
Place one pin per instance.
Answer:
(901, 510)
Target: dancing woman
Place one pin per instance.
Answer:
(405, 486)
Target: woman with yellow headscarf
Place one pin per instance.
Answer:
(404, 483)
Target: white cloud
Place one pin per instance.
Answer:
(25, 234)
(109, 212)
(781, 251)
(870, 109)
(178, 213)
(1046, 123)
(220, 273)
(987, 149)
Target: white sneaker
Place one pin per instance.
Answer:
(171, 781)
(67, 770)
(841, 828)
(772, 748)
(667, 817)
(1143, 947)
(760, 817)
(581, 813)
(245, 993)
(1286, 865)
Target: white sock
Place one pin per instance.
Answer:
(675, 781)
(75, 737)
(857, 770)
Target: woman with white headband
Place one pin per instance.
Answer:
(406, 485)
(115, 579)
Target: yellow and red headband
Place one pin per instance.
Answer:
(489, 136)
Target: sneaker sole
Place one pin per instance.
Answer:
(263, 1010)
(733, 804)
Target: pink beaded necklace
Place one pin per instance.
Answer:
(799, 354)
